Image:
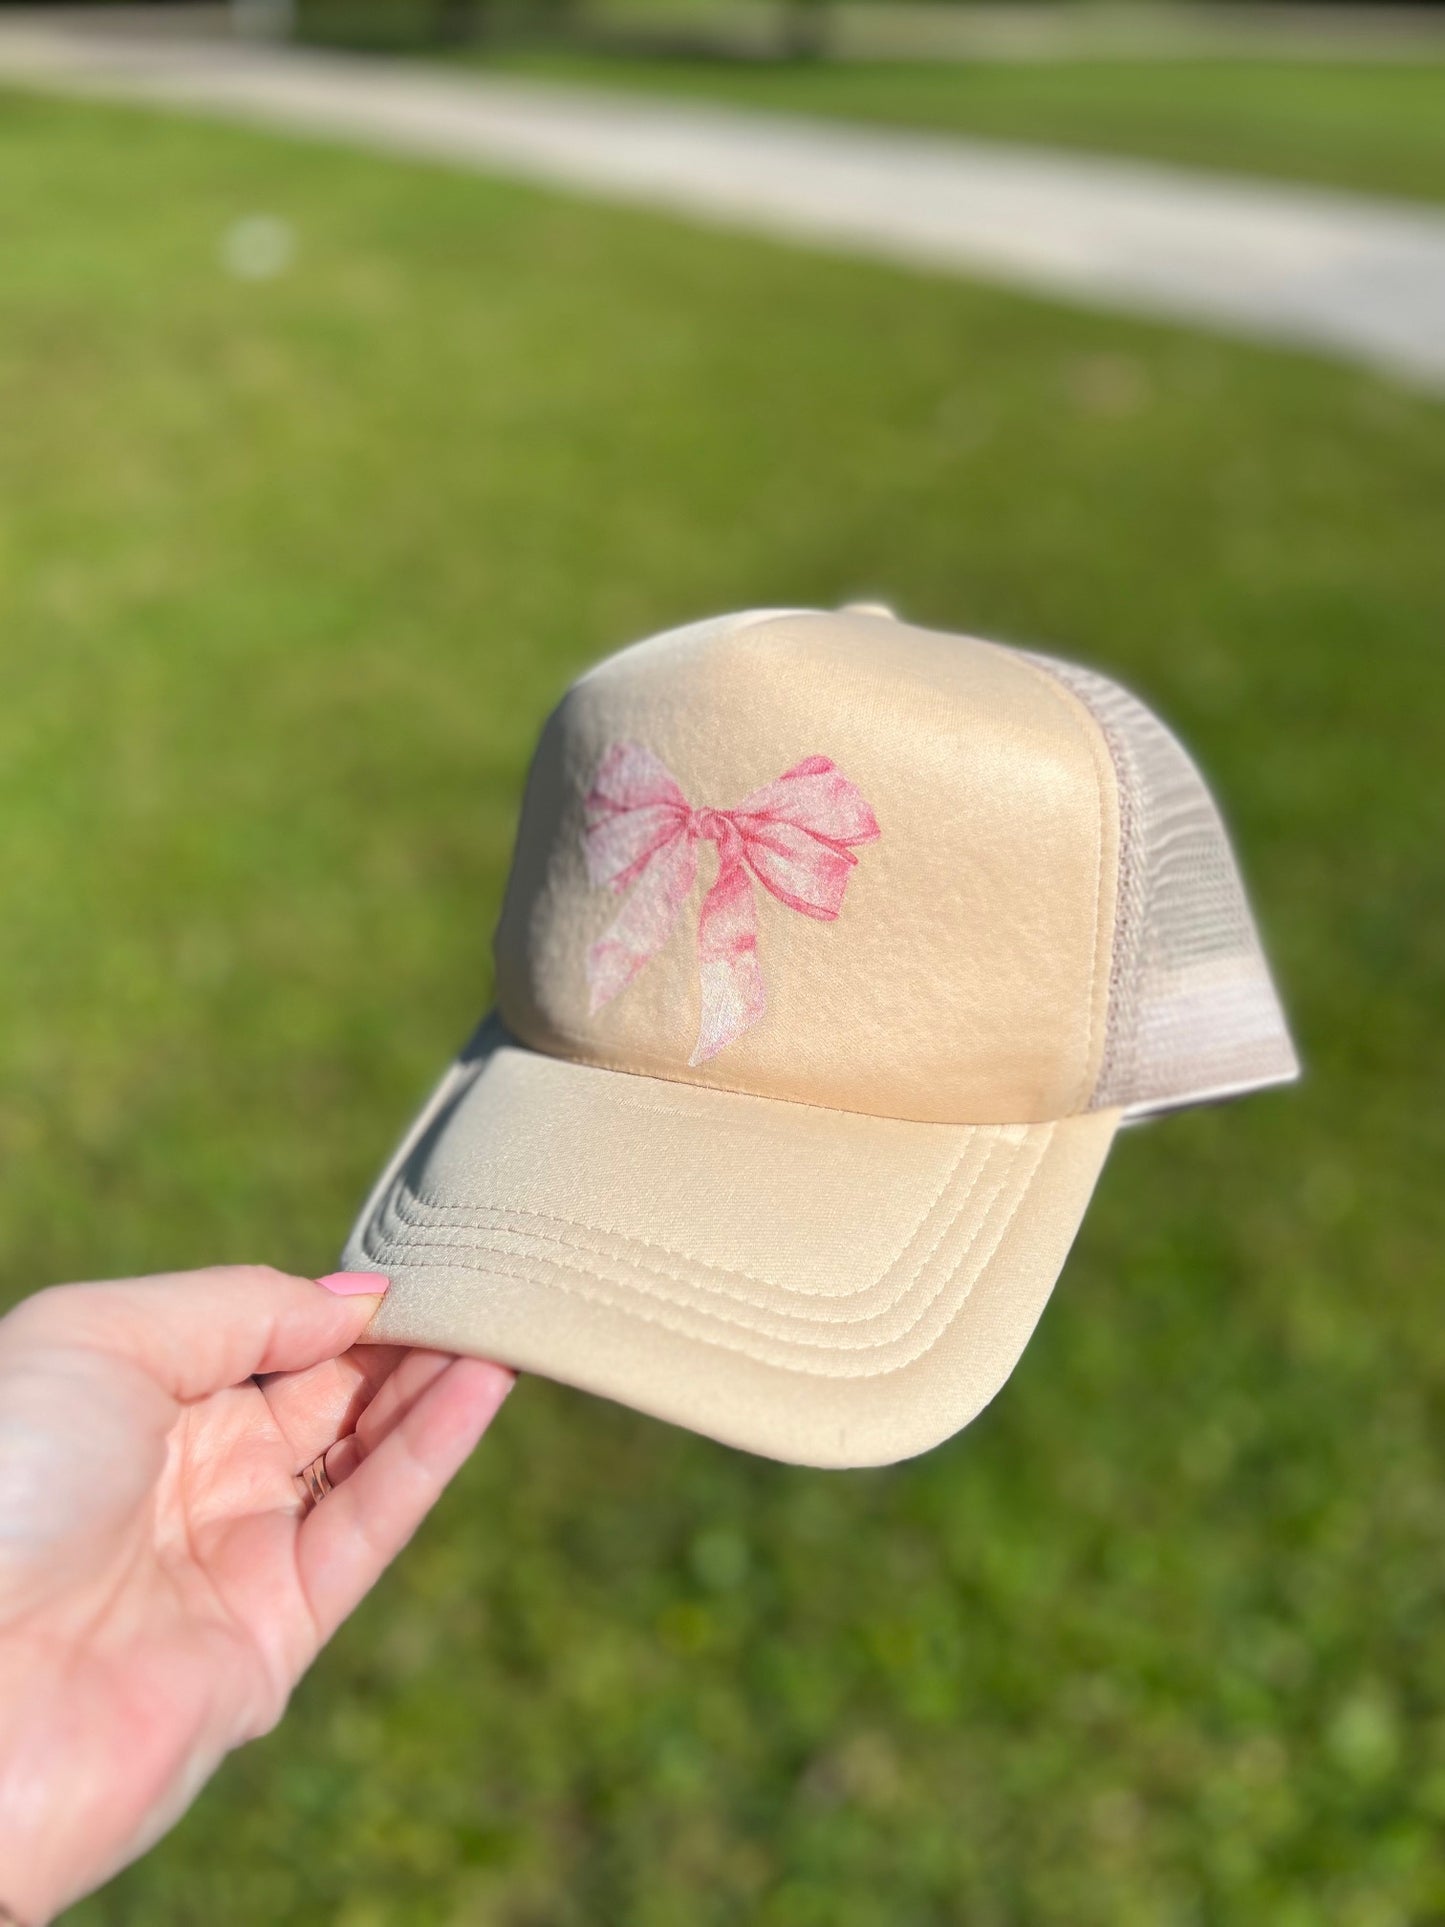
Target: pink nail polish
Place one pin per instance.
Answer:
(354, 1284)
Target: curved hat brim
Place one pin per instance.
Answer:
(817, 1286)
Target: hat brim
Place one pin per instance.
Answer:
(817, 1286)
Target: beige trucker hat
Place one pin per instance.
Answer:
(834, 952)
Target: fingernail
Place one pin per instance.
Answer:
(354, 1284)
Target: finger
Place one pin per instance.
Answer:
(393, 1401)
(345, 1545)
(314, 1408)
(195, 1332)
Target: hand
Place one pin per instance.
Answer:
(164, 1579)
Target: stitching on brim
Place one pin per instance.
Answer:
(840, 1369)
(694, 1287)
(402, 1189)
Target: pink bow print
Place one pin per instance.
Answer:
(792, 836)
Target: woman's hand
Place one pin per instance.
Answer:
(164, 1577)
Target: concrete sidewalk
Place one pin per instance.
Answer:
(1028, 31)
(1352, 277)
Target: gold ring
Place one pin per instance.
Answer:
(314, 1478)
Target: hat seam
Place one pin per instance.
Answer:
(513, 1040)
(1100, 756)
(652, 1108)
(1130, 887)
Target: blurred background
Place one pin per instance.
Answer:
(323, 469)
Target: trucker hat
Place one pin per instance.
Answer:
(833, 954)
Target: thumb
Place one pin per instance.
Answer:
(195, 1332)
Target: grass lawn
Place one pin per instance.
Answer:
(1375, 127)
(290, 572)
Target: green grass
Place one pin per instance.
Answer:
(289, 573)
(1378, 127)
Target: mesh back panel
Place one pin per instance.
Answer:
(1192, 1011)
